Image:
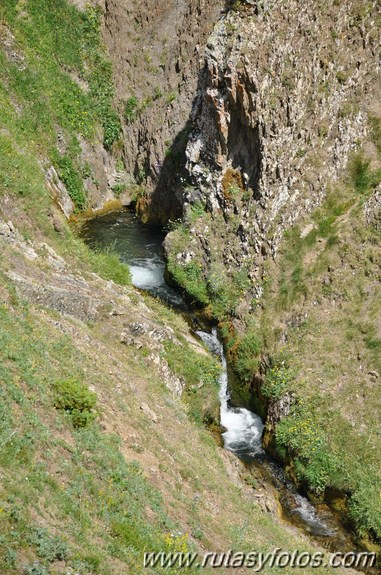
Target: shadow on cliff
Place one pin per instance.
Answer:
(166, 201)
(241, 148)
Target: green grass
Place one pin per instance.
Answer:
(41, 98)
(106, 263)
(247, 355)
(188, 276)
(98, 498)
(200, 374)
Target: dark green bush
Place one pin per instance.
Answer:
(77, 400)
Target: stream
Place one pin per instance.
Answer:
(140, 246)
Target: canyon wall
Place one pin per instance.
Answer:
(157, 50)
(282, 101)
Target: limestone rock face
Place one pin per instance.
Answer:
(282, 102)
(157, 50)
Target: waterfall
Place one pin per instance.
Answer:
(244, 429)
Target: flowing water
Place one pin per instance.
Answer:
(140, 246)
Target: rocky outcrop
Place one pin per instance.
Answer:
(282, 102)
(277, 409)
(372, 210)
(157, 50)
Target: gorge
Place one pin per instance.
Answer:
(250, 131)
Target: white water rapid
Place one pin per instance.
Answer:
(243, 428)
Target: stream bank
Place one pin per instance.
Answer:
(140, 246)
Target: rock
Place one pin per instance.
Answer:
(138, 328)
(149, 413)
(71, 298)
(372, 210)
(57, 225)
(172, 382)
(59, 192)
(127, 339)
(277, 410)
(184, 258)
(307, 230)
(54, 260)
(374, 374)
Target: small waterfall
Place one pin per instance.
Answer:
(243, 436)
(244, 429)
(140, 246)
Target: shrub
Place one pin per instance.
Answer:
(277, 382)
(247, 356)
(131, 109)
(77, 400)
(359, 172)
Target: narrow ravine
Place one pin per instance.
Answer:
(140, 246)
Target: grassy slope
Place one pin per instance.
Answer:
(320, 322)
(90, 500)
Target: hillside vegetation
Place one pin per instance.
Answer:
(100, 459)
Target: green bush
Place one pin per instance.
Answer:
(359, 172)
(277, 382)
(77, 400)
(247, 356)
(131, 109)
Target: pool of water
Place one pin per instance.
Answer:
(139, 245)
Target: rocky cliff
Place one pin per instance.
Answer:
(282, 101)
(279, 240)
(157, 50)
